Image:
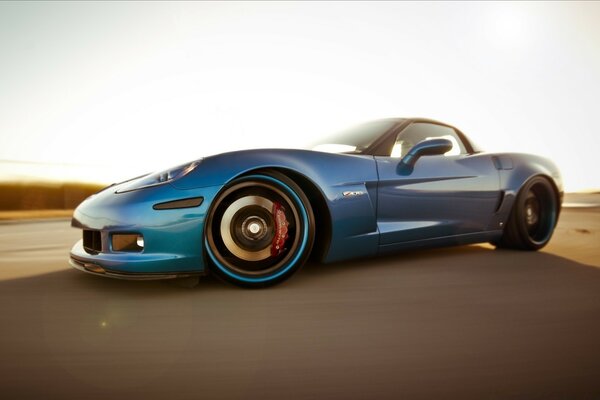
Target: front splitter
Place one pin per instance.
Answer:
(95, 269)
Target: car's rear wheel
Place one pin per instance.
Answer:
(260, 230)
(533, 217)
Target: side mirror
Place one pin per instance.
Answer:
(431, 147)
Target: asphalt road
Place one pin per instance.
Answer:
(465, 322)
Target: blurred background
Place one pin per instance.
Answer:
(100, 92)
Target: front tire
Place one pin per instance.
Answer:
(533, 217)
(260, 230)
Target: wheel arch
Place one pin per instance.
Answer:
(317, 201)
(523, 168)
(558, 194)
(323, 228)
(309, 237)
(515, 235)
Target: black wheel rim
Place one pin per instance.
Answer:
(247, 228)
(242, 228)
(532, 213)
(539, 213)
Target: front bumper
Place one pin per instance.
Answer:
(173, 238)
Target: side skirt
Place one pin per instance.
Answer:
(456, 240)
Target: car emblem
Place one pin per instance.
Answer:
(353, 193)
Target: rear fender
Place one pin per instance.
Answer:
(515, 170)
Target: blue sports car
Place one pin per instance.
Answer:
(254, 217)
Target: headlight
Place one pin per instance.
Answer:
(158, 178)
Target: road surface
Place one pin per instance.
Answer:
(464, 322)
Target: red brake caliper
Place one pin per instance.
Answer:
(281, 230)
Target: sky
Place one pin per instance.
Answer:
(105, 91)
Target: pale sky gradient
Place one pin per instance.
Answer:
(126, 88)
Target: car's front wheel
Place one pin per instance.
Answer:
(533, 217)
(260, 230)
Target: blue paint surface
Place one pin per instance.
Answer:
(444, 200)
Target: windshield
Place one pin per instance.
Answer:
(355, 139)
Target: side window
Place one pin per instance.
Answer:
(420, 131)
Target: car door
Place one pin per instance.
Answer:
(444, 195)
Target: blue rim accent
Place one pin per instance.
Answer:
(291, 263)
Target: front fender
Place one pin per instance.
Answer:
(352, 217)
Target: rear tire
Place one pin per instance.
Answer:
(533, 216)
(260, 230)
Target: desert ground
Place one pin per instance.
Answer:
(463, 322)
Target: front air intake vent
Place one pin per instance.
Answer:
(92, 241)
(133, 242)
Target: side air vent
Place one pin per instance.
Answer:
(500, 201)
(92, 241)
(184, 203)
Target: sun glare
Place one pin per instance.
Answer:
(140, 96)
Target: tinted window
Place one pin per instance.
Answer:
(420, 131)
(355, 139)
